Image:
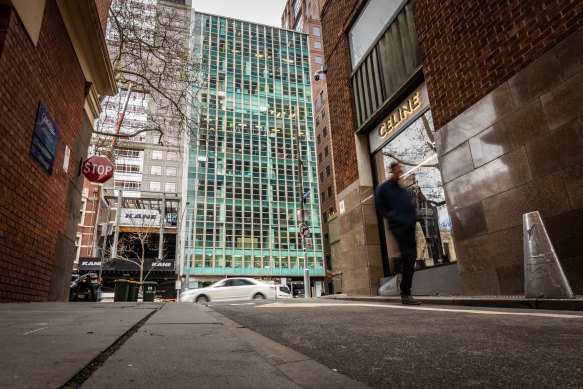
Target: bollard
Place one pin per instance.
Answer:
(543, 275)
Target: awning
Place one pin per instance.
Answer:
(93, 264)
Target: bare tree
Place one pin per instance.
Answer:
(149, 46)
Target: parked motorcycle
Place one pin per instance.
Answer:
(84, 287)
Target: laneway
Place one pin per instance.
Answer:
(388, 345)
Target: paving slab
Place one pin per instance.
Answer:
(181, 313)
(167, 351)
(43, 345)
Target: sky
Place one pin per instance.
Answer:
(256, 11)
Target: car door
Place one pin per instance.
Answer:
(218, 291)
(245, 289)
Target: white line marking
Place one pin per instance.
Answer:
(479, 312)
(38, 329)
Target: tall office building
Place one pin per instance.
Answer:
(242, 182)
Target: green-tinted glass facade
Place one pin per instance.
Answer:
(242, 186)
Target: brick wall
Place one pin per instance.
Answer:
(33, 204)
(340, 94)
(103, 10)
(469, 48)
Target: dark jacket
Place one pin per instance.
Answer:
(397, 205)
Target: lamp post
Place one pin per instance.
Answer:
(307, 288)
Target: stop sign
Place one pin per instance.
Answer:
(97, 169)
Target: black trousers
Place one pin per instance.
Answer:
(408, 248)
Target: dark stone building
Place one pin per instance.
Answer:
(482, 104)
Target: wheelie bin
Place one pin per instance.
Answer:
(120, 293)
(134, 288)
(149, 290)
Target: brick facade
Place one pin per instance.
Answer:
(340, 92)
(470, 48)
(35, 206)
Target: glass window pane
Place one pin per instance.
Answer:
(369, 25)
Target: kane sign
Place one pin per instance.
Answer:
(97, 169)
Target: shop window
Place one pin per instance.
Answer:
(413, 147)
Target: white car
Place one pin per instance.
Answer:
(231, 289)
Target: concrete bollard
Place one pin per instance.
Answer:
(543, 275)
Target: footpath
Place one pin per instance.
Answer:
(145, 345)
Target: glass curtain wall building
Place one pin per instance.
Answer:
(242, 185)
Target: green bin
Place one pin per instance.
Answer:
(134, 288)
(121, 290)
(149, 290)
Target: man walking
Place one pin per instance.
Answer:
(399, 207)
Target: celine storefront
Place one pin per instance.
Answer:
(406, 136)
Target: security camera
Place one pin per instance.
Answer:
(319, 73)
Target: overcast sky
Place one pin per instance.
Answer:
(257, 11)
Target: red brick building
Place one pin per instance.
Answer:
(54, 70)
(304, 16)
(481, 102)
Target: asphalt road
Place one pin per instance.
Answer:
(388, 345)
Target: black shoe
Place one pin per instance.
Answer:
(408, 300)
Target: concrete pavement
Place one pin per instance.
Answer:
(145, 345)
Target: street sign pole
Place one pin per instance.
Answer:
(307, 288)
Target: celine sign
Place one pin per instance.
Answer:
(403, 115)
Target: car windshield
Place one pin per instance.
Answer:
(284, 288)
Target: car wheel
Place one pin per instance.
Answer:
(202, 299)
(259, 296)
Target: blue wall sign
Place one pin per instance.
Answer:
(44, 140)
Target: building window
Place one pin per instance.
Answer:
(318, 139)
(328, 171)
(156, 170)
(320, 157)
(323, 113)
(317, 121)
(324, 132)
(322, 97)
(317, 45)
(324, 217)
(316, 105)
(323, 196)
(326, 152)
(156, 154)
(171, 171)
(172, 156)
(329, 192)
(299, 24)
(326, 239)
(319, 60)
(170, 187)
(155, 185)
(371, 21)
(297, 7)
(316, 31)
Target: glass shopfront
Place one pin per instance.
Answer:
(407, 136)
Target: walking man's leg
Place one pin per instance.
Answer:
(408, 247)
